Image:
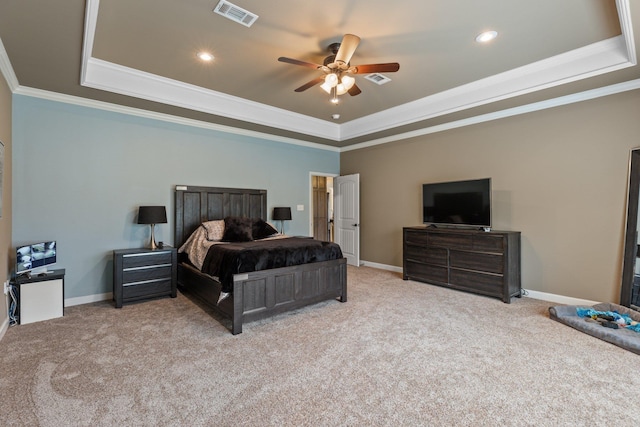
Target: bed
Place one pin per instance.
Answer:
(252, 295)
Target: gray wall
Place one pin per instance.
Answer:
(81, 173)
(559, 176)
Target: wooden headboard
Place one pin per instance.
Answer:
(195, 205)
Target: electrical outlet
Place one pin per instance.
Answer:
(6, 287)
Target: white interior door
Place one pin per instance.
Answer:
(346, 205)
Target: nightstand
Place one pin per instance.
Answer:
(144, 273)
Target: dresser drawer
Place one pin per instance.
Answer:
(426, 272)
(459, 241)
(416, 238)
(488, 243)
(490, 263)
(488, 284)
(145, 259)
(426, 254)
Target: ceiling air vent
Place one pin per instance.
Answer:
(235, 13)
(377, 78)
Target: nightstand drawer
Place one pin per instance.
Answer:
(147, 289)
(145, 259)
(141, 274)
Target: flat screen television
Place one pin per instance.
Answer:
(459, 203)
(35, 258)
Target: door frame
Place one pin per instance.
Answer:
(630, 251)
(310, 188)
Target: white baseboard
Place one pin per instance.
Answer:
(559, 299)
(381, 266)
(68, 302)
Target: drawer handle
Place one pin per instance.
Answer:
(142, 282)
(146, 254)
(146, 267)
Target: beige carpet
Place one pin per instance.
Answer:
(398, 353)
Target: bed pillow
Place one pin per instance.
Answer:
(261, 229)
(237, 229)
(214, 229)
(197, 246)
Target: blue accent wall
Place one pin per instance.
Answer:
(79, 175)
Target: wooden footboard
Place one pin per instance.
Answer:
(262, 294)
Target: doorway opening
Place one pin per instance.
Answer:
(339, 197)
(321, 225)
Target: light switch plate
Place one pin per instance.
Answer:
(300, 207)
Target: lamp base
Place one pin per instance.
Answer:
(152, 242)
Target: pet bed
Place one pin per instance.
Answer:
(623, 337)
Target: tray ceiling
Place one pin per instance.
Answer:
(142, 54)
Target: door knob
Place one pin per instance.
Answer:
(355, 225)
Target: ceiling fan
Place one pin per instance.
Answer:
(336, 68)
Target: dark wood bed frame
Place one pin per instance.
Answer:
(256, 295)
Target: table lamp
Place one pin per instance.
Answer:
(152, 215)
(281, 214)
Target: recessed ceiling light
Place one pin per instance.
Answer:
(487, 36)
(205, 56)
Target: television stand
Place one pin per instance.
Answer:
(40, 297)
(481, 262)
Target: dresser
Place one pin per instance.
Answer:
(486, 263)
(144, 273)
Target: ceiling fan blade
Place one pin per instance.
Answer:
(355, 90)
(348, 45)
(390, 67)
(298, 62)
(310, 84)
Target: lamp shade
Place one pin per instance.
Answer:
(152, 215)
(281, 214)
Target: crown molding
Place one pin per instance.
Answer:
(7, 70)
(107, 76)
(626, 26)
(598, 58)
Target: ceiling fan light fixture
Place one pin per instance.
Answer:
(331, 79)
(347, 82)
(326, 87)
(337, 79)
